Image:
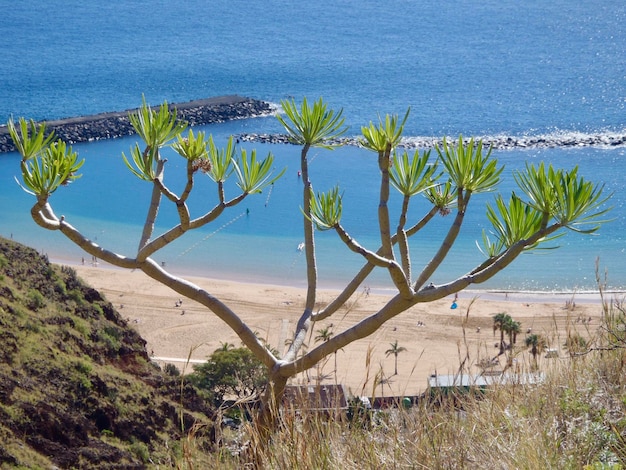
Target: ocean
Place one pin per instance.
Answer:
(490, 68)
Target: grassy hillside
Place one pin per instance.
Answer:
(77, 388)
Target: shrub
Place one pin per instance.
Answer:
(35, 300)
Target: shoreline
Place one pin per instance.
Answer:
(436, 336)
(585, 297)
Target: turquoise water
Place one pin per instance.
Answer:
(476, 68)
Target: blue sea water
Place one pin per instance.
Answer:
(464, 67)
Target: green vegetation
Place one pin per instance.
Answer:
(230, 373)
(574, 419)
(394, 350)
(77, 389)
(548, 203)
(67, 399)
(537, 344)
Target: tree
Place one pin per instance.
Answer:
(230, 371)
(536, 343)
(549, 203)
(323, 335)
(499, 322)
(395, 350)
(512, 328)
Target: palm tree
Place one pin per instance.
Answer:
(511, 328)
(536, 343)
(395, 350)
(323, 335)
(499, 320)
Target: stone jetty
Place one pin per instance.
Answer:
(497, 142)
(227, 108)
(117, 124)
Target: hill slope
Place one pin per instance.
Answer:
(77, 388)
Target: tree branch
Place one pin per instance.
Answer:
(366, 270)
(397, 275)
(447, 243)
(403, 243)
(304, 322)
(44, 216)
(194, 292)
(153, 209)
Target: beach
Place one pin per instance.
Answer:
(437, 337)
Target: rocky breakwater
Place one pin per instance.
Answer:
(117, 124)
(502, 142)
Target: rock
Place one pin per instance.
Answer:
(117, 124)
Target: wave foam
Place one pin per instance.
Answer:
(500, 141)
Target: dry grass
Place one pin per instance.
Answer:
(574, 419)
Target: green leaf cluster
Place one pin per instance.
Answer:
(30, 139)
(230, 371)
(45, 166)
(415, 175)
(564, 196)
(511, 223)
(386, 135)
(326, 209)
(468, 168)
(221, 160)
(156, 128)
(558, 196)
(313, 126)
(192, 147)
(253, 176)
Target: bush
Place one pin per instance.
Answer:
(230, 371)
(171, 370)
(35, 300)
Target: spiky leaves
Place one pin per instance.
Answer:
(511, 223)
(412, 176)
(221, 160)
(192, 147)
(254, 176)
(470, 169)
(312, 126)
(442, 196)
(156, 128)
(45, 166)
(30, 139)
(386, 136)
(326, 209)
(563, 196)
(57, 166)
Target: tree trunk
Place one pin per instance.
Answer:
(266, 419)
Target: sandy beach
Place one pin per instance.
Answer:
(437, 338)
